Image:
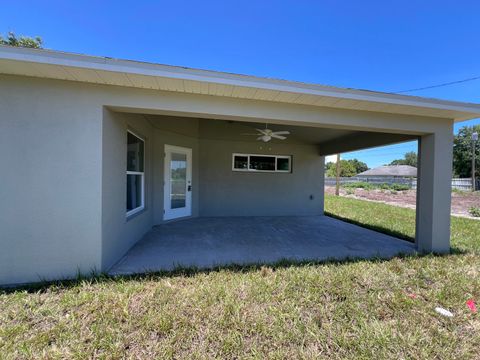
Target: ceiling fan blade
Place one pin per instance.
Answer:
(250, 134)
(281, 132)
(260, 137)
(278, 136)
(262, 131)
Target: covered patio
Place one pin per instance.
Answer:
(133, 145)
(208, 242)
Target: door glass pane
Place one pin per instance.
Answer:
(262, 163)
(134, 191)
(135, 153)
(178, 181)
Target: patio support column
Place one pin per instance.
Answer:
(434, 191)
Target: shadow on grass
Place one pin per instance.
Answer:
(96, 278)
(384, 230)
(378, 228)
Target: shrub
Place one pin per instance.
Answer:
(359, 185)
(400, 187)
(370, 186)
(474, 211)
(350, 191)
(460, 191)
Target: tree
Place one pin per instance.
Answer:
(348, 168)
(462, 152)
(359, 166)
(410, 158)
(22, 41)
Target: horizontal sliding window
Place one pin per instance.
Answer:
(265, 163)
(262, 163)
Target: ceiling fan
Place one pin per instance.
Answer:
(268, 134)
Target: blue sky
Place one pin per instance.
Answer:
(376, 45)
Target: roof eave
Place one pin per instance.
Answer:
(457, 111)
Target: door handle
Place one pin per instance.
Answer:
(189, 188)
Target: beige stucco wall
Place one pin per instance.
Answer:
(119, 233)
(51, 184)
(219, 191)
(224, 192)
(59, 210)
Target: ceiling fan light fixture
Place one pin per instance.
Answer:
(267, 134)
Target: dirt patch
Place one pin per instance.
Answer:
(461, 201)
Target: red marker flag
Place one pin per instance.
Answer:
(471, 305)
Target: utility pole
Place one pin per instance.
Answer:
(337, 183)
(474, 141)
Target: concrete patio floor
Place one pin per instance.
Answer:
(209, 242)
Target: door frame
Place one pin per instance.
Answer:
(168, 212)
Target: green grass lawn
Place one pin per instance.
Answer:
(351, 310)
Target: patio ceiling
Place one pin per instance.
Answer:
(100, 70)
(329, 140)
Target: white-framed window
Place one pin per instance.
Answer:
(135, 173)
(262, 163)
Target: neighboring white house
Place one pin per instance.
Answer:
(95, 151)
(396, 171)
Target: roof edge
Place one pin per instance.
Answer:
(53, 57)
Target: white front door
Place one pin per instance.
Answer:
(178, 182)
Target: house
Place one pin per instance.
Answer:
(395, 171)
(96, 151)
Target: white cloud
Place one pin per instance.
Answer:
(331, 158)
